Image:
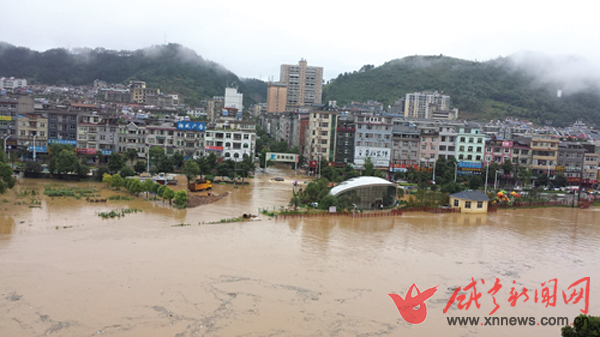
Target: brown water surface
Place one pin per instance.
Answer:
(66, 272)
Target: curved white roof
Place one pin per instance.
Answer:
(359, 182)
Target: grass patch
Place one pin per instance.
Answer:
(181, 225)
(239, 219)
(120, 198)
(117, 213)
(74, 192)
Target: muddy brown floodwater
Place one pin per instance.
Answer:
(66, 272)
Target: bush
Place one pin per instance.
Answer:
(126, 172)
(99, 174)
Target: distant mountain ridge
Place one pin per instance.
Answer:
(171, 68)
(481, 90)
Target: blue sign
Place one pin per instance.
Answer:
(107, 152)
(470, 165)
(38, 148)
(62, 141)
(192, 126)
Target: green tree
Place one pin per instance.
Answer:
(148, 186)
(156, 155)
(475, 182)
(53, 151)
(126, 172)
(583, 326)
(561, 180)
(181, 198)
(191, 170)
(166, 165)
(168, 194)
(369, 170)
(117, 181)
(107, 179)
(134, 186)
(139, 167)
(131, 155)
(160, 190)
(33, 167)
(542, 180)
(178, 159)
(328, 201)
(115, 162)
(67, 162)
(7, 180)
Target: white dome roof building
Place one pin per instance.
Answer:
(367, 192)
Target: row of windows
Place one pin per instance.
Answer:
(468, 204)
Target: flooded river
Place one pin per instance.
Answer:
(66, 272)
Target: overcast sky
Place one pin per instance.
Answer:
(253, 38)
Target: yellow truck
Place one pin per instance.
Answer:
(200, 185)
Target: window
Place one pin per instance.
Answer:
(480, 204)
(467, 204)
(462, 139)
(488, 149)
(456, 202)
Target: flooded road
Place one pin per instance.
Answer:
(66, 272)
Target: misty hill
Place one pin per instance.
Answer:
(523, 86)
(171, 68)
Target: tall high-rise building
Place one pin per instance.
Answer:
(276, 97)
(423, 104)
(304, 83)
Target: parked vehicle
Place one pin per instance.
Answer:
(200, 185)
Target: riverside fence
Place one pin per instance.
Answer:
(368, 214)
(494, 208)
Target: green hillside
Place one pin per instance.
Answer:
(481, 90)
(172, 68)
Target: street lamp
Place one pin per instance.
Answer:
(34, 137)
(455, 171)
(496, 177)
(5, 138)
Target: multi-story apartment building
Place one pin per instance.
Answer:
(428, 152)
(470, 143)
(344, 149)
(163, 135)
(8, 119)
(373, 140)
(276, 97)
(304, 84)
(108, 136)
(406, 142)
(190, 143)
(87, 130)
(570, 160)
(62, 126)
(544, 154)
(233, 99)
(521, 153)
(590, 168)
(139, 92)
(231, 143)
(423, 104)
(498, 151)
(133, 136)
(33, 131)
(12, 83)
(447, 143)
(320, 135)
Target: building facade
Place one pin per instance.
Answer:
(320, 135)
(304, 84)
(276, 97)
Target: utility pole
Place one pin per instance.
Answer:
(487, 171)
(581, 175)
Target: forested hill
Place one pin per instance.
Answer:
(171, 68)
(481, 90)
